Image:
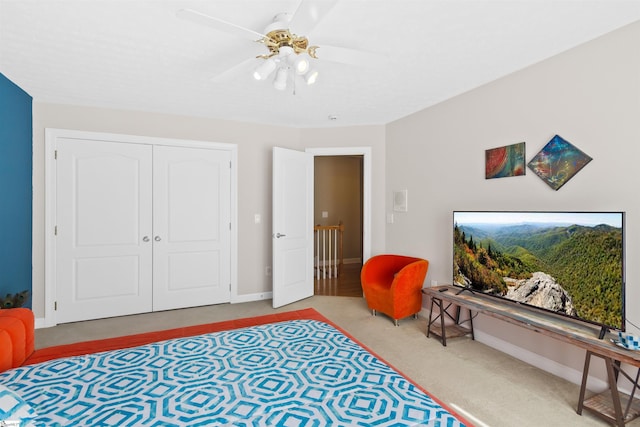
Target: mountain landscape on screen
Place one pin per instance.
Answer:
(567, 264)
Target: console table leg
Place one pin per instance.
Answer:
(438, 303)
(442, 327)
(615, 395)
(430, 319)
(583, 387)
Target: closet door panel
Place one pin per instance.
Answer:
(103, 213)
(191, 264)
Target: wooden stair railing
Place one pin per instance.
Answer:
(328, 256)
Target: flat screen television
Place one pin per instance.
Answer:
(569, 263)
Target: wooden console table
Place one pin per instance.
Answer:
(447, 330)
(563, 329)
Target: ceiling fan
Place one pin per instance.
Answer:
(286, 54)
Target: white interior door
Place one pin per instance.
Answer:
(103, 241)
(292, 226)
(191, 223)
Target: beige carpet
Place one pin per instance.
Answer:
(487, 386)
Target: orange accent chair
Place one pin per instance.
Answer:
(16, 337)
(392, 284)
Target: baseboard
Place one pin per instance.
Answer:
(40, 323)
(572, 375)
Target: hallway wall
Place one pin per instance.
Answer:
(338, 191)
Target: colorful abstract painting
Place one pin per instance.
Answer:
(558, 162)
(505, 161)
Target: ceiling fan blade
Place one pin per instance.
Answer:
(234, 71)
(349, 56)
(219, 24)
(309, 14)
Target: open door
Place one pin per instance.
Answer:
(292, 226)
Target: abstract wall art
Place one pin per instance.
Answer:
(505, 161)
(558, 162)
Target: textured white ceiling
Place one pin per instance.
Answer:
(137, 55)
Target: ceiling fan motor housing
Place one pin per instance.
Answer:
(278, 35)
(277, 39)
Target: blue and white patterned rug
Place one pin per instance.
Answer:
(295, 373)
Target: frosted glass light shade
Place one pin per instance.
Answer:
(311, 77)
(265, 69)
(280, 81)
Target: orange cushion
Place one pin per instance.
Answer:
(15, 328)
(6, 351)
(25, 315)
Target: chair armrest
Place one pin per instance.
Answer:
(411, 276)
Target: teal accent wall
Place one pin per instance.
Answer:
(16, 195)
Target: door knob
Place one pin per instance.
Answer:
(157, 238)
(278, 235)
(145, 239)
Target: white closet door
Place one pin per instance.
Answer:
(103, 214)
(191, 222)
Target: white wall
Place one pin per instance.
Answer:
(254, 173)
(590, 96)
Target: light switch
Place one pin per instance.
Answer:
(257, 219)
(325, 214)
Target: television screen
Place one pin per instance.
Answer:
(570, 263)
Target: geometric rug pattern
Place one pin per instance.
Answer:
(293, 373)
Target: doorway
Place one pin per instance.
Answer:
(341, 198)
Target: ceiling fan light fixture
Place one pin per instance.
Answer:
(280, 82)
(301, 64)
(265, 69)
(311, 77)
